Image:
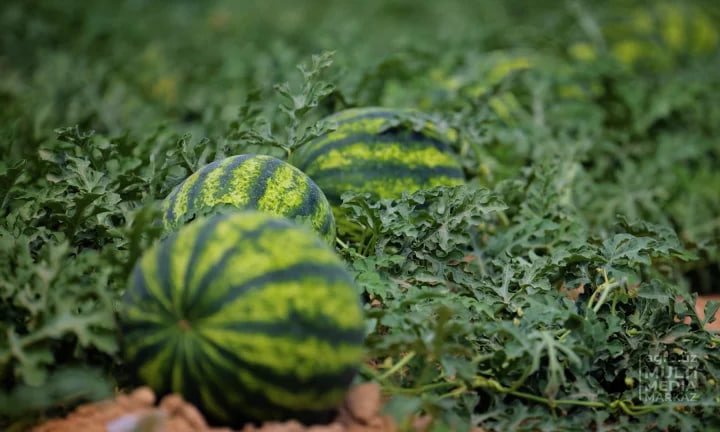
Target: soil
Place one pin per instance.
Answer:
(137, 412)
(700, 307)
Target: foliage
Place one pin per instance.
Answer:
(589, 131)
(472, 299)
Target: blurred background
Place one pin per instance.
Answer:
(626, 91)
(617, 101)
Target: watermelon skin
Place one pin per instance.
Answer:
(361, 156)
(254, 182)
(249, 316)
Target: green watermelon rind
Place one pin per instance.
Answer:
(247, 315)
(249, 182)
(369, 153)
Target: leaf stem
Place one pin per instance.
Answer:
(605, 289)
(454, 393)
(405, 360)
(341, 243)
(626, 406)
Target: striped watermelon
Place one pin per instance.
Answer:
(363, 155)
(254, 182)
(247, 315)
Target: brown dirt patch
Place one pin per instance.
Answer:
(700, 307)
(137, 412)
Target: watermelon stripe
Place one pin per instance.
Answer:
(219, 267)
(256, 405)
(283, 192)
(393, 170)
(274, 304)
(153, 334)
(194, 367)
(194, 310)
(412, 140)
(150, 310)
(330, 272)
(190, 350)
(145, 327)
(214, 385)
(179, 257)
(172, 200)
(152, 355)
(359, 155)
(228, 174)
(150, 273)
(310, 201)
(157, 335)
(253, 389)
(317, 327)
(167, 377)
(201, 239)
(148, 352)
(200, 184)
(319, 383)
(142, 295)
(218, 379)
(176, 364)
(266, 172)
(164, 267)
(182, 377)
(327, 224)
(203, 393)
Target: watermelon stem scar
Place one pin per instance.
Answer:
(184, 324)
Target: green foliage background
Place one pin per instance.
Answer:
(591, 131)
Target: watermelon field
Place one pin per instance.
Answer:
(501, 215)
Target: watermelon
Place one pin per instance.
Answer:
(247, 315)
(365, 155)
(254, 182)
